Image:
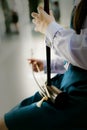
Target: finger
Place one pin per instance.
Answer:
(40, 7)
(51, 12)
(31, 61)
(36, 21)
(34, 15)
(35, 63)
(41, 10)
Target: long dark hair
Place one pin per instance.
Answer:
(80, 16)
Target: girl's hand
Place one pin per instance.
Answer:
(37, 65)
(42, 20)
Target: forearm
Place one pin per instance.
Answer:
(57, 66)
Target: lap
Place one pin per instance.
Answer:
(56, 80)
(28, 116)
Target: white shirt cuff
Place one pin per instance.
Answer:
(52, 29)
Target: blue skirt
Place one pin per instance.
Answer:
(27, 116)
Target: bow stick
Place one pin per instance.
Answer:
(48, 56)
(46, 8)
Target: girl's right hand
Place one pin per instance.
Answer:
(37, 64)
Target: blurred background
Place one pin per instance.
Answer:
(18, 42)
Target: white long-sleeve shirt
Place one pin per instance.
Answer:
(68, 45)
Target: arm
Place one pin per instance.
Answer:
(57, 66)
(67, 44)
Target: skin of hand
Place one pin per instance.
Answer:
(42, 20)
(36, 64)
(3, 125)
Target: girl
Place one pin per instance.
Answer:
(71, 46)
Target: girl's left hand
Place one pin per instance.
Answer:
(42, 20)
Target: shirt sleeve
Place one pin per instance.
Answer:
(58, 66)
(67, 44)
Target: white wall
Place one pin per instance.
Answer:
(66, 8)
(14, 69)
